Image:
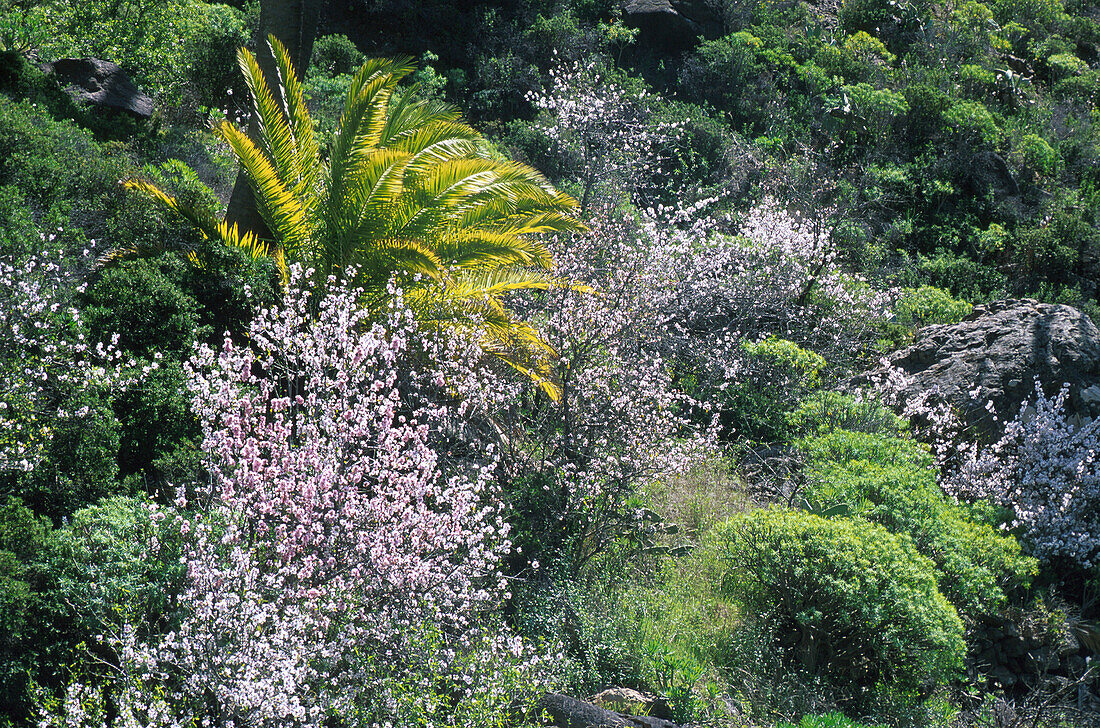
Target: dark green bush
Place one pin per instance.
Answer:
(141, 303)
(334, 55)
(852, 603)
(26, 635)
(962, 276)
(891, 481)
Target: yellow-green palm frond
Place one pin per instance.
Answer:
(498, 331)
(386, 257)
(408, 114)
(279, 206)
(301, 124)
(364, 115)
(279, 144)
(373, 182)
(478, 249)
(495, 282)
(210, 228)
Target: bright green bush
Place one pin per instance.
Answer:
(850, 602)
(778, 373)
(825, 411)
(973, 122)
(891, 481)
(929, 305)
(824, 720)
(1034, 157)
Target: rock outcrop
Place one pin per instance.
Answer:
(566, 712)
(101, 84)
(671, 26)
(997, 353)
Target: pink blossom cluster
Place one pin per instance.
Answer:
(45, 351)
(335, 566)
(673, 302)
(602, 130)
(1046, 470)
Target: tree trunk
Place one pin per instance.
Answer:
(294, 22)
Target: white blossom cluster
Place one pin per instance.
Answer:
(45, 351)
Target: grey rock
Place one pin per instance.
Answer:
(101, 84)
(1001, 348)
(566, 712)
(671, 26)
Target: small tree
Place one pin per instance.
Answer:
(335, 568)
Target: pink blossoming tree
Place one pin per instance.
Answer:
(335, 569)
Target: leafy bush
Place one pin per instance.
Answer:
(1035, 157)
(778, 373)
(335, 55)
(852, 603)
(929, 305)
(891, 481)
(25, 637)
(826, 411)
(824, 720)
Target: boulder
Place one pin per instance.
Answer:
(101, 84)
(671, 26)
(997, 353)
(566, 712)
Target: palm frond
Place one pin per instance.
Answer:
(301, 123)
(273, 122)
(280, 208)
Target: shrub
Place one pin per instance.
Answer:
(27, 638)
(825, 720)
(140, 304)
(334, 55)
(929, 305)
(853, 603)
(777, 374)
(961, 276)
(891, 481)
(973, 123)
(825, 411)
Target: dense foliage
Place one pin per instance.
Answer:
(286, 481)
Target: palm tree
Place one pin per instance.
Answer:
(407, 191)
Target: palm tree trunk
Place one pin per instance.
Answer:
(294, 22)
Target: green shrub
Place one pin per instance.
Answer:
(778, 374)
(141, 303)
(929, 305)
(106, 573)
(825, 720)
(26, 638)
(961, 276)
(973, 123)
(1034, 157)
(851, 603)
(891, 481)
(211, 75)
(334, 55)
(825, 411)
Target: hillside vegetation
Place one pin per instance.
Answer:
(546, 369)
